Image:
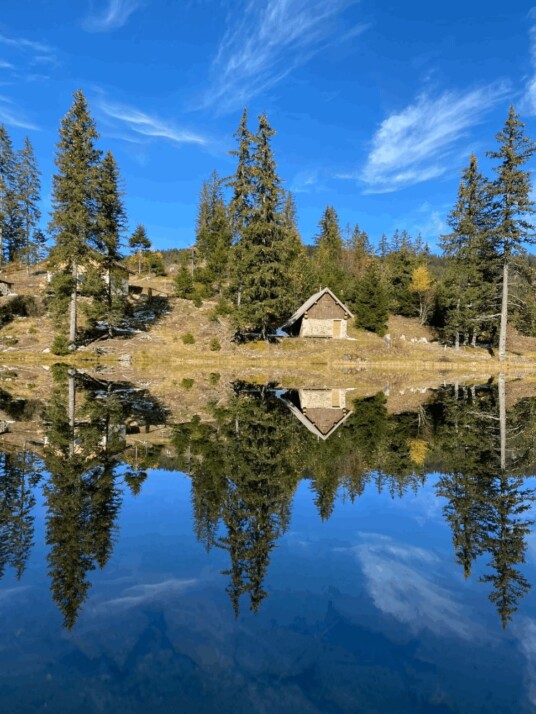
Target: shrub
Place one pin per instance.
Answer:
(197, 300)
(188, 339)
(187, 383)
(60, 345)
(215, 345)
(214, 378)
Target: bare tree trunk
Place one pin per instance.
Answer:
(71, 407)
(457, 341)
(74, 297)
(1, 249)
(473, 339)
(504, 313)
(502, 418)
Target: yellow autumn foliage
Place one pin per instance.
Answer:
(418, 448)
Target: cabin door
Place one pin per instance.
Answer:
(337, 329)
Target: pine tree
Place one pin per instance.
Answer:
(471, 258)
(9, 224)
(139, 243)
(213, 236)
(27, 195)
(74, 198)
(184, 283)
(111, 222)
(512, 205)
(242, 183)
(371, 303)
(328, 256)
(260, 282)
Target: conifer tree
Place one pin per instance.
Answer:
(27, 187)
(8, 215)
(184, 283)
(260, 282)
(111, 222)
(213, 236)
(371, 303)
(328, 257)
(140, 244)
(471, 258)
(512, 206)
(74, 198)
(242, 183)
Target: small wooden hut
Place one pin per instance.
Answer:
(321, 411)
(322, 315)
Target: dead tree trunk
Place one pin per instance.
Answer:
(74, 297)
(504, 313)
(502, 418)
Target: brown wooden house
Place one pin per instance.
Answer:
(321, 411)
(322, 315)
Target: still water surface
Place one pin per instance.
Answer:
(299, 551)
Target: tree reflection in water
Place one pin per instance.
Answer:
(245, 465)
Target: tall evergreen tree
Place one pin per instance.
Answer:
(260, 282)
(512, 205)
(242, 182)
(111, 222)
(139, 243)
(9, 225)
(74, 199)
(371, 303)
(27, 194)
(213, 236)
(471, 258)
(328, 257)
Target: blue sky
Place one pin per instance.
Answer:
(376, 105)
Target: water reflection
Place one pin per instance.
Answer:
(246, 462)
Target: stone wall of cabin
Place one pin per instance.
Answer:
(322, 398)
(313, 327)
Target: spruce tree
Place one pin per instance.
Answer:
(512, 206)
(111, 221)
(328, 256)
(213, 236)
(471, 259)
(371, 303)
(139, 243)
(242, 182)
(74, 199)
(9, 225)
(260, 282)
(27, 187)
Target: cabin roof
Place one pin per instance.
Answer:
(309, 304)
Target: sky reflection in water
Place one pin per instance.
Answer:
(365, 610)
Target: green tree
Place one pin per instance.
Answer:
(27, 193)
(184, 282)
(242, 182)
(74, 199)
(213, 236)
(512, 206)
(329, 254)
(140, 244)
(260, 285)
(371, 302)
(9, 217)
(469, 293)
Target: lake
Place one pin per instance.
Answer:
(281, 550)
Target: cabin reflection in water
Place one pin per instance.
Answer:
(322, 411)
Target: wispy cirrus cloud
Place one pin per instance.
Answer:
(12, 115)
(266, 40)
(33, 52)
(112, 15)
(418, 143)
(139, 124)
(528, 104)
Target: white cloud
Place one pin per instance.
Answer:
(305, 181)
(114, 15)
(416, 144)
(11, 115)
(266, 40)
(403, 582)
(526, 632)
(141, 123)
(148, 592)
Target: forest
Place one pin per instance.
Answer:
(247, 254)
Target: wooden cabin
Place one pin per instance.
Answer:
(322, 315)
(321, 411)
